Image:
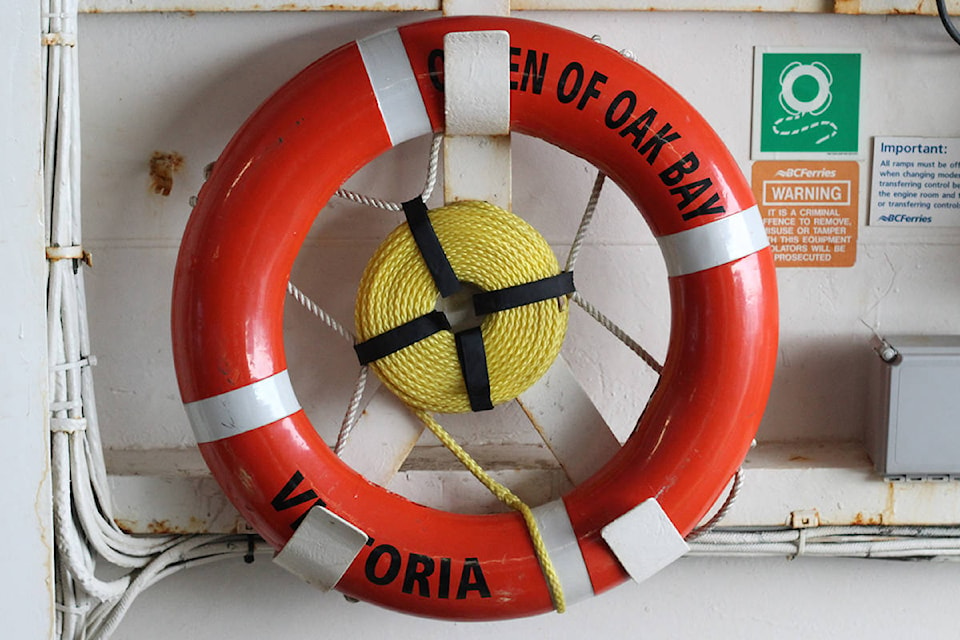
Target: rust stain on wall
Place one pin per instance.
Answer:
(163, 527)
(860, 518)
(887, 515)
(848, 7)
(163, 166)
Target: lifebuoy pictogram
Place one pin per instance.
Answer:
(260, 200)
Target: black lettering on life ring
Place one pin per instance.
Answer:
(419, 568)
(443, 589)
(566, 94)
(532, 70)
(673, 177)
(472, 580)
(393, 564)
(435, 68)
(286, 500)
(591, 92)
(647, 133)
(641, 127)
(385, 563)
(614, 121)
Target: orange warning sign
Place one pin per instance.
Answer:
(810, 211)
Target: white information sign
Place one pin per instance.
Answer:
(916, 182)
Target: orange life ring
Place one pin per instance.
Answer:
(342, 111)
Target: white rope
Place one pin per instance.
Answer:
(432, 164)
(617, 332)
(315, 309)
(353, 412)
(723, 510)
(388, 205)
(585, 221)
(369, 201)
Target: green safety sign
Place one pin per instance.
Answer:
(806, 104)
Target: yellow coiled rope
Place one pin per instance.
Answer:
(491, 249)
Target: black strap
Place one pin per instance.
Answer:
(473, 365)
(426, 238)
(523, 294)
(400, 337)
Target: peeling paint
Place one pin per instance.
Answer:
(164, 527)
(127, 526)
(163, 166)
(887, 515)
(246, 480)
(848, 7)
(861, 519)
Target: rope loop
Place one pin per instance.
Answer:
(510, 499)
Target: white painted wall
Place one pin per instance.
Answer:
(176, 82)
(26, 580)
(729, 599)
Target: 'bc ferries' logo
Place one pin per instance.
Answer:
(803, 172)
(902, 217)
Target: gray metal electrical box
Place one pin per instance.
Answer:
(914, 430)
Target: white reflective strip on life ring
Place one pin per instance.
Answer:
(244, 409)
(322, 548)
(564, 550)
(715, 243)
(395, 86)
(644, 540)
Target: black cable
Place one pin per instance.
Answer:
(947, 22)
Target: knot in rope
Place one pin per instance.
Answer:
(489, 249)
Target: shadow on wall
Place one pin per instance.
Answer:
(820, 388)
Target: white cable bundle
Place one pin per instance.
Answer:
(87, 606)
